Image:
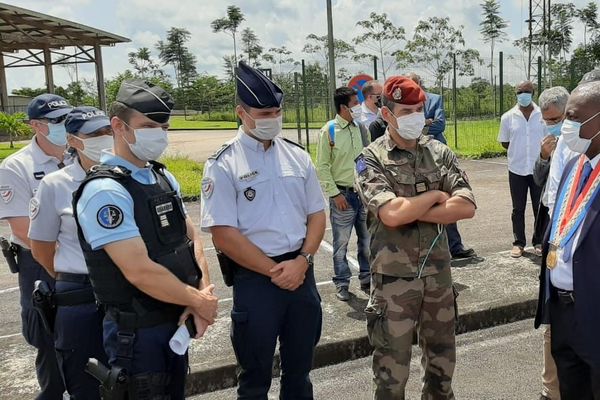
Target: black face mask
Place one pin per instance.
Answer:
(378, 102)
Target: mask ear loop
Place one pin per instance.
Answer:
(440, 229)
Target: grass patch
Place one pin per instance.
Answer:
(6, 151)
(187, 172)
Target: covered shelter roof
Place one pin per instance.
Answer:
(30, 38)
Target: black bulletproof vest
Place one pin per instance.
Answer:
(159, 215)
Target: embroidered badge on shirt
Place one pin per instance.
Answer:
(361, 165)
(250, 194)
(208, 187)
(39, 175)
(7, 193)
(249, 176)
(110, 216)
(34, 208)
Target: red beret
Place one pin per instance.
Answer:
(403, 90)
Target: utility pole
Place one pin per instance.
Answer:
(331, 56)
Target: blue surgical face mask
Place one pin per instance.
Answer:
(524, 99)
(57, 134)
(554, 130)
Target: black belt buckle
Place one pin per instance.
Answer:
(565, 296)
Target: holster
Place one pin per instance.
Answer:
(114, 382)
(10, 250)
(43, 302)
(227, 267)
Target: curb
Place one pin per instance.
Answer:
(224, 377)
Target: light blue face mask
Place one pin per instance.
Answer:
(554, 130)
(524, 99)
(57, 134)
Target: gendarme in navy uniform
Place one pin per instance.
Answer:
(141, 249)
(263, 204)
(20, 176)
(55, 245)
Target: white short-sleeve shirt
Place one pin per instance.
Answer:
(266, 194)
(525, 137)
(51, 217)
(20, 176)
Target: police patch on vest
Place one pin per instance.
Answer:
(39, 175)
(164, 208)
(250, 194)
(110, 216)
(34, 208)
(7, 193)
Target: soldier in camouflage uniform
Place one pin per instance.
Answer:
(412, 187)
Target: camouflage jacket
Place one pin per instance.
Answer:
(383, 172)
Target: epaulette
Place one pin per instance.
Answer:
(104, 170)
(218, 153)
(294, 143)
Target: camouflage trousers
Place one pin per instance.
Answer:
(396, 308)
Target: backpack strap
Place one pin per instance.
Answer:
(331, 130)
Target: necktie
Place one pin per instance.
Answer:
(585, 176)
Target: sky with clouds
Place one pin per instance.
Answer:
(276, 22)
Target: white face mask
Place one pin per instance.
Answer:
(356, 112)
(149, 144)
(570, 131)
(92, 147)
(411, 126)
(266, 128)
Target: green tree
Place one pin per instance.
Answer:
(320, 45)
(589, 17)
(381, 37)
(175, 52)
(251, 46)
(29, 92)
(281, 57)
(13, 125)
(560, 36)
(432, 47)
(492, 28)
(229, 24)
(142, 63)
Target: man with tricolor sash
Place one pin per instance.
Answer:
(570, 274)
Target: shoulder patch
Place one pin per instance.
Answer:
(208, 186)
(34, 208)
(218, 153)
(7, 193)
(109, 216)
(361, 165)
(292, 142)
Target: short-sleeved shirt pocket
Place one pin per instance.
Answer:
(250, 195)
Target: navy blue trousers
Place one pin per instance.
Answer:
(262, 313)
(46, 366)
(151, 355)
(77, 338)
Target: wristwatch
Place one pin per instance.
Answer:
(309, 258)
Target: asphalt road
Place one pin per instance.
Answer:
(488, 233)
(501, 363)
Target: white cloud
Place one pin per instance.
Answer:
(276, 22)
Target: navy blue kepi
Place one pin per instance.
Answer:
(255, 89)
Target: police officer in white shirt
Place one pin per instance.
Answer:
(20, 175)
(521, 132)
(263, 204)
(55, 245)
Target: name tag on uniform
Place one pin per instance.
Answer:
(164, 208)
(248, 176)
(421, 187)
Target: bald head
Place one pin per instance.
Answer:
(584, 107)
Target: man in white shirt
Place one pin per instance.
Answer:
(521, 132)
(370, 107)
